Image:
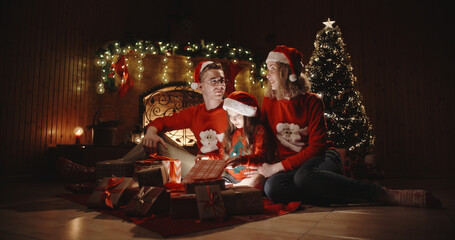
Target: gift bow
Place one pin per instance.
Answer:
(214, 201)
(106, 196)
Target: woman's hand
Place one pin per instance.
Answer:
(151, 139)
(268, 170)
(233, 162)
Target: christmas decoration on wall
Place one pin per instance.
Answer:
(136, 50)
(332, 77)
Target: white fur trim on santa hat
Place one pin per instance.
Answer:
(205, 65)
(194, 85)
(277, 57)
(293, 77)
(239, 107)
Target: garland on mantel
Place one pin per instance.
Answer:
(140, 48)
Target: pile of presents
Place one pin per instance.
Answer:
(155, 186)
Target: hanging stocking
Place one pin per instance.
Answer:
(122, 70)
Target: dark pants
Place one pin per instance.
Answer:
(319, 180)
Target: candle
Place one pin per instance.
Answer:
(78, 131)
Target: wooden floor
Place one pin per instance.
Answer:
(29, 211)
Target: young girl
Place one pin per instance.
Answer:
(244, 140)
(309, 169)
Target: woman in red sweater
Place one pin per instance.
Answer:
(308, 168)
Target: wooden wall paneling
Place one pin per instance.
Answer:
(76, 73)
(14, 110)
(69, 114)
(45, 76)
(58, 81)
(63, 72)
(29, 59)
(81, 102)
(65, 114)
(41, 79)
(6, 90)
(36, 25)
(54, 45)
(18, 123)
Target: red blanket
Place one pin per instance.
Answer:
(165, 226)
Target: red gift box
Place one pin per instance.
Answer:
(209, 202)
(108, 192)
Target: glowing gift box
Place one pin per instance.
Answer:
(174, 170)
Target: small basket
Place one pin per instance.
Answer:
(103, 133)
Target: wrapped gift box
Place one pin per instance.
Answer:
(109, 192)
(205, 170)
(210, 202)
(114, 168)
(149, 200)
(190, 186)
(153, 176)
(173, 169)
(144, 164)
(242, 200)
(130, 192)
(183, 205)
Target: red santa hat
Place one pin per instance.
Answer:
(243, 103)
(197, 73)
(289, 56)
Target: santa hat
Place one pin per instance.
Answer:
(197, 73)
(241, 102)
(289, 56)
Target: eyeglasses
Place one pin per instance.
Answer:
(215, 82)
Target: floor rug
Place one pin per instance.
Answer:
(166, 227)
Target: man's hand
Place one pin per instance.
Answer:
(268, 170)
(151, 139)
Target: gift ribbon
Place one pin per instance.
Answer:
(159, 157)
(106, 196)
(172, 175)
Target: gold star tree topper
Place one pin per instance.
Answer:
(329, 23)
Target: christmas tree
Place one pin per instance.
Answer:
(331, 75)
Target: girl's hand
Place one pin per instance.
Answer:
(268, 170)
(234, 162)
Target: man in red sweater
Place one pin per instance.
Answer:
(207, 120)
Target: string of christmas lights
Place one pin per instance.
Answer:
(138, 49)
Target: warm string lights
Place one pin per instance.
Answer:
(137, 50)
